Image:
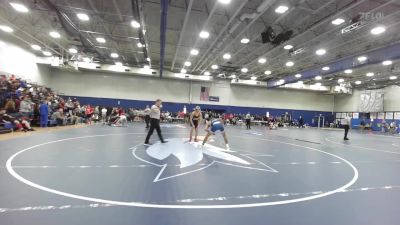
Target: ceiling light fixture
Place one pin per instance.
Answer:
(6, 28)
(135, 24)
(320, 51)
(289, 64)
(19, 7)
(262, 60)
(187, 63)
(253, 78)
(393, 77)
(194, 52)
(204, 34)
(183, 71)
(358, 82)
(226, 56)
(101, 40)
(54, 34)
(207, 73)
(370, 74)
(337, 21)
(341, 80)
(318, 78)
(83, 16)
(214, 67)
(36, 47)
(362, 58)
(298, 75)
(387, 63)
(348, 71)
(281, 9)
(224, 1)
(326, 68)
(73, 50)
(140, 45)
(288, 47)
(268, 72)
(148, 59)
(47, 53)
(244, 70)
(245, 40)
(114, 55)
(281, 81)
(378, 30)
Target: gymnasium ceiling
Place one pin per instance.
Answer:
(227, 24)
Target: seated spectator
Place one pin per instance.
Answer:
(59, 117)
(73, 118)
(21, 124)
(10, 106)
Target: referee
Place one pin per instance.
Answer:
(155, 122)
(346, 122)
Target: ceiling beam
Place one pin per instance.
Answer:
(163, 33)
(189, 8)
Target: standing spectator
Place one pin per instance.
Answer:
(362, 126)
(44, 114)
(103, 115)
(147, 116)
(346, 125)
(88, 113)
(155, 121)
(301, 122)
(25, 107)
(248, 120)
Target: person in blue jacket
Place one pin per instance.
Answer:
(44, 114)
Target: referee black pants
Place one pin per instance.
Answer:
(346, 130)
(248, 123)
(147, 120)
(154, 124)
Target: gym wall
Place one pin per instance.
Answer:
(123, 86)
(349, 103)
(18, 61)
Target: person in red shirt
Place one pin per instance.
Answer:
(89, 112)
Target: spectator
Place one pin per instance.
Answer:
(10, 106)
(301, 122)
(248, 120)
(58, 116)
(89, 113)
(103, 115)
(25, 107)
(44, 114)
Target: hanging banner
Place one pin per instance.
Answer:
(213, 99)
(204, 93)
